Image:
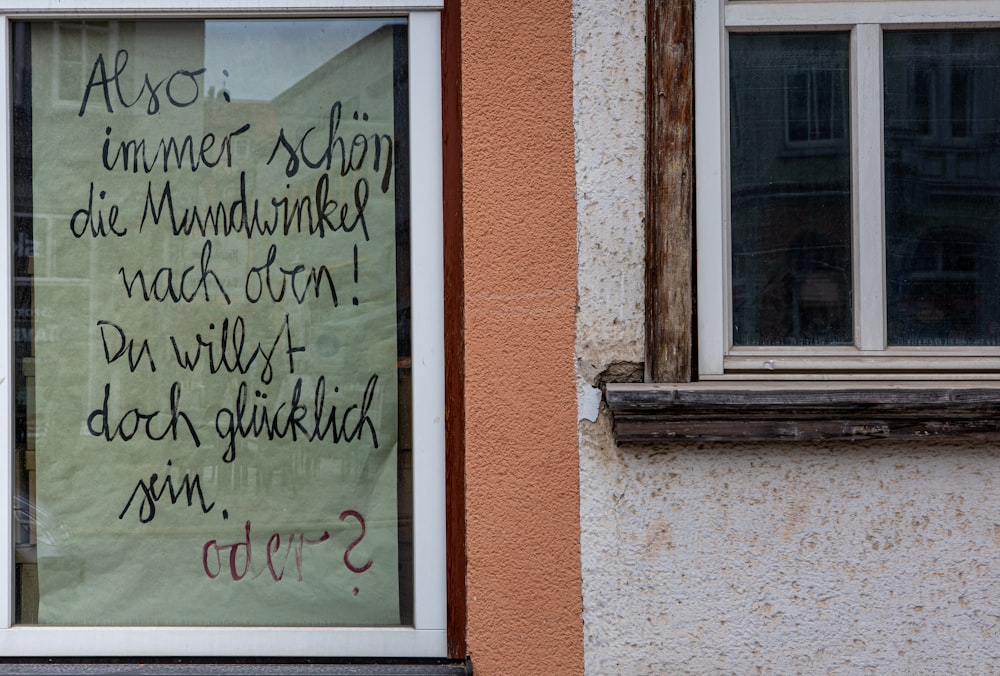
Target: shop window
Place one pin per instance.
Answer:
(227, 385)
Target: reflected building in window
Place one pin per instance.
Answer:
(942, 178)
(790, 188)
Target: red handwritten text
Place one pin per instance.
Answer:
(236, 560)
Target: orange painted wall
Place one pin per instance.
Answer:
(521, 462)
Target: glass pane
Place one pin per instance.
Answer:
(942, 182)
(212, 312)
(790, 189)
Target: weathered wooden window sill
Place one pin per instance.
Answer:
(771, 411)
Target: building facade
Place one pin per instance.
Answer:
(571, 549)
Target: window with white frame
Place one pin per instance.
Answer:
(848, 188)
(227, 384)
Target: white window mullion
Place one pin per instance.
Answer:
(430, 612)
(869, 225)
(712, 201)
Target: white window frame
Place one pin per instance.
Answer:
(427, 637)
(870, 357)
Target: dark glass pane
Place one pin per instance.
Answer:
(790, 182)
(942, 181)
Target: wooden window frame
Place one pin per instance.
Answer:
(670, 336)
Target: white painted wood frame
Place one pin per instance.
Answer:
(718, 358)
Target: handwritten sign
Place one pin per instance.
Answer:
(215, 271)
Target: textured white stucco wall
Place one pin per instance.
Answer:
(864, 558)
(609, 85)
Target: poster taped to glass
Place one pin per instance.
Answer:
(212, 323)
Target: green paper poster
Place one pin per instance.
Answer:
(216, 320)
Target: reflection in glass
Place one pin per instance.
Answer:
(942, 184)
(790, 189)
